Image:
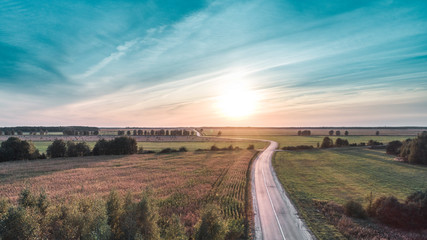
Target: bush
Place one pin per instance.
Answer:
(214, 148)
(327, 143)
(250, 147)
(236, 229)
(212, 226)
(341, 142)
(175, 230)
(183, 149)
(412, 214)
(374, 143)
(20, 223)
(354, 209)
(393, 147)
(299, 147)
(57, 149)
(168, 150)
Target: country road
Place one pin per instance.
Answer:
(275, 216)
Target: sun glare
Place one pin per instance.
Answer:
(237, 101)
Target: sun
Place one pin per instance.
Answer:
(238, 101)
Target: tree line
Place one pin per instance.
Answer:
(17, 130)
(160, 132)
(16, 149)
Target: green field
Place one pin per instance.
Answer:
(157, 146)
(341, 174)
(313, 140)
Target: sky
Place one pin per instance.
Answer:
(190, 63)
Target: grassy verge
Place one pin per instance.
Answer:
(340, 175)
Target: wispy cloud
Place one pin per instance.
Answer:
(301, 57)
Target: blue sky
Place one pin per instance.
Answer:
(167, 63)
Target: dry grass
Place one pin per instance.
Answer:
(183, 182)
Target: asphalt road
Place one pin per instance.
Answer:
(275, 216)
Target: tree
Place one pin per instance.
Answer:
(341, 142)
(415, 151)
(102, 147)
(57, 149)
(77, 150)
(377, 133)
(219, 134)
(175, 230)
(346, 133)
(338, 133)
(327, 143)
(306, 133)
(299, 132)
(16, 149)
(114, 213)
(212, 226)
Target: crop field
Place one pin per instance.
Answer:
(342, 174)
(182, 182)
(314, 131)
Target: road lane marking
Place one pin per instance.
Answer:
(272, 205)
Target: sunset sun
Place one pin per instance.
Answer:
(238, 101)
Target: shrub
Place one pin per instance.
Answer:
(341, 142)
(168, 150)
(20, 223)
(85, 219)
(57, 149)
(175, 230)
(327, 143)
(393, 147)
(251, 147)
(211, 226)
(183, 149)
(299, 147)
(114, 212)
(26, 199)
(214, 148)
(374, 143)
(354, 209)
(236, 229)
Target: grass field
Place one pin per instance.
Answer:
(342, 174)
(183, 182)
(157, 146)
(313, 140)
(245, 131)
